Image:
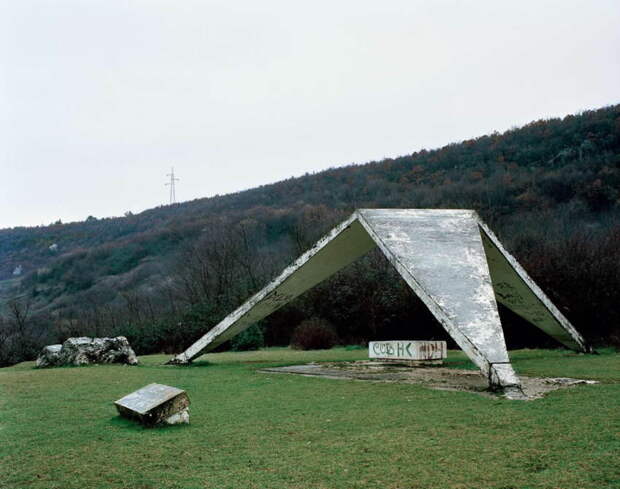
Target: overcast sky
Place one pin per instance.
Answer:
(98, 99)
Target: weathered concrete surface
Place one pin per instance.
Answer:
(408, 350)
(155, 404)
(339, 248)
(85, 351)
(443, 255)
(516, 290)
(433, 378)
(440, 255)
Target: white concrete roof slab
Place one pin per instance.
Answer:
(442, 259)
(515, 289)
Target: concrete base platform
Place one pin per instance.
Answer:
(434, 378)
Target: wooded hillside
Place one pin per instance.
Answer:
(550, 190)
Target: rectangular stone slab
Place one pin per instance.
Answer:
(153, 404)
(407, 350)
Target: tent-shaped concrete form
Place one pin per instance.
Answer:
(451, 260)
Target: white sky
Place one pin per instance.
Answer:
(99, 98)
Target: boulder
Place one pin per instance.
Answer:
(49, 356)
(86, 351)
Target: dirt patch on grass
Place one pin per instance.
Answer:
(432, 377)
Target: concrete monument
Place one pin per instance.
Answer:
(450, 259)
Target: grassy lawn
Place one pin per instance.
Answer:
(59, 429)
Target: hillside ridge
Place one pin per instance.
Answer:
(25, 245)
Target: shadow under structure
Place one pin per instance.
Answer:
(451, 260)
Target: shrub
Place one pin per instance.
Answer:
(250, 339)
(314, 334)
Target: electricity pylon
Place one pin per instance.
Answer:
(173, 196)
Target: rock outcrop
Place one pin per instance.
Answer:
(86, 351)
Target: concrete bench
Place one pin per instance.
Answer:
(407, 351)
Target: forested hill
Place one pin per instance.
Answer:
(540, 166)
(543, 187)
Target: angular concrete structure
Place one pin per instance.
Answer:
(451, 260)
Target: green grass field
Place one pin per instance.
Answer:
(59, 428)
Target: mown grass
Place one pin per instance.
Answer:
(59, 429)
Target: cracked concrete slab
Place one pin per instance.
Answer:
(439, 378)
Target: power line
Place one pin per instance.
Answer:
(173, 195)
